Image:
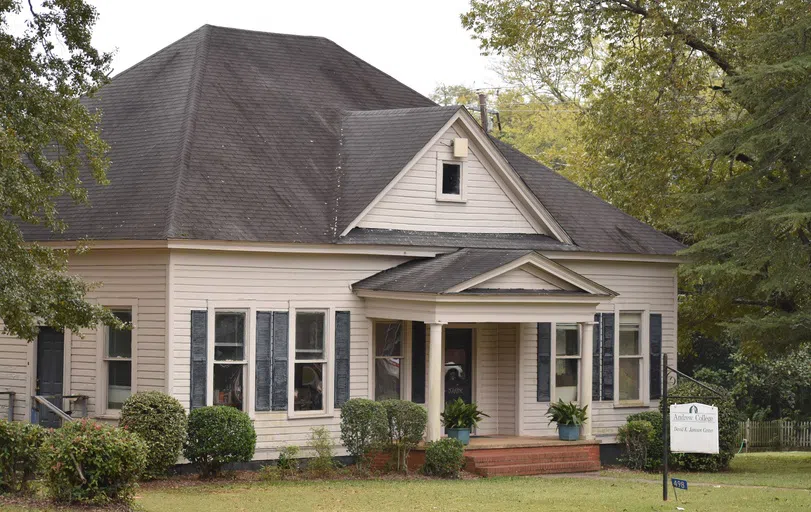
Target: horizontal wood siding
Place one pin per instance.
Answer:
(412, 204)
(517, 279)
(14, 374)
(494, 374)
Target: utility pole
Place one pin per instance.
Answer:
(483, 111)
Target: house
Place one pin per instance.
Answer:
(288, 227)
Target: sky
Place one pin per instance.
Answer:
(419, 42)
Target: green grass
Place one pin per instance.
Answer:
(772, 469)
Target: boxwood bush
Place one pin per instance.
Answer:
(217, 436)
(96, 463)
(364, 428)
(407, 422)
(20, 445)
(160, 420)
(653, 459)
(444, 458)
(636, 437)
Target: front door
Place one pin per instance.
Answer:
(50, 363)
(459, 365)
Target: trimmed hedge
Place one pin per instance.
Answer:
(20, 450)
(444, 458)
(96, 463)
(218, 435)
(407, 422)
(364, 428)
(636, 436)
(160, 420)
(653, 460)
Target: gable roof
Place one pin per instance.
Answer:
(463, 270)
(232, 134)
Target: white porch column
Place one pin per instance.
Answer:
(586, 368)
(434, 381)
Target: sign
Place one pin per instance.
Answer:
(679, 484)
(693, 428)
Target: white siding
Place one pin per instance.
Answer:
(130, 276)
(494, 374)
(517, 279)
(412, 204)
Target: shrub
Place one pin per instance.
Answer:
(444, 458)
(406, 426)
(364, 427)
(653, 460)
(270, 473)
(217, 436)
(636, 436)
(160, 421)
(727, 429)
(20, 445)
(323, 464)
(288, 463)
(89, 462)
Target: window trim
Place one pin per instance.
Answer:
(553, 390)
(101, 409)
(461, 197)
(249, 355)
(405, 364)
(329, 364)
(644, 340)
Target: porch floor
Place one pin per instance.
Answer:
(496, 442)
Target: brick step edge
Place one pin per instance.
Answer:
(538, 469)
(529, 459)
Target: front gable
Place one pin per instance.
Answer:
(525, 277)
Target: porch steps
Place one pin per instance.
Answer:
(533, 461)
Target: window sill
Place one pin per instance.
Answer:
(630, 405)
(450, 199)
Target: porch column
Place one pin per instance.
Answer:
(434, 381)
(586, 358)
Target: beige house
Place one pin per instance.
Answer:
(288, 227)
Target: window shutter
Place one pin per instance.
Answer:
(279, 335)
(596, 381)
(655, 356)
(418, 362)
(607, 329)
(199, 359)
(342, 329)
(264, 359)
(544, 361)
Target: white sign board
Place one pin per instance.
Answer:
(693, 428)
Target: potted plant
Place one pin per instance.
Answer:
(569, 417)
(459, 418)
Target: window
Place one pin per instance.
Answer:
(567, 361)
(451, 179)
(230, 362)
(118, 360)
(388, 359)
(630, 357)
(310, 361)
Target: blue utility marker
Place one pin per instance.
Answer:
(679, 484)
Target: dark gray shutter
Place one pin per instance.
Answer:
(596, 362)
(342, 333)
(199, 359)
(278, 384)
(418, 362)
(607, 324)
(544, 361)
(264, 359)
(655, 356)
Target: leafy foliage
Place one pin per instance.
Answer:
(458, 414)
(567, 413)
(160, 420)
(20, 450)
(324, 463)
(364, 428)
(407, 422)
(50, 144)
(444, 458)
(217, 436)
(653, 456)
(637, 437)
(96, 463)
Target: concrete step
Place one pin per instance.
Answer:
(541, 468)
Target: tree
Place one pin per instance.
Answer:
(48, 141)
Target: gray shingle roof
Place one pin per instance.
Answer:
(238, 135)
(369, 236)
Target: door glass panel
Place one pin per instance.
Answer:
(458, 365)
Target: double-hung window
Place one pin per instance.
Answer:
(630, 357)
(310, 361)
(230, 359)
(117, 359)
(567, 361)
(388, 359)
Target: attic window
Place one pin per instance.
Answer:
(450, 186)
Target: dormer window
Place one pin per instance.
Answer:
(450, 181)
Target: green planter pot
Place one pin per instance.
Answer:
(462, 434)
(569, 432)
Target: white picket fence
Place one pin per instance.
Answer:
(776, 435)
